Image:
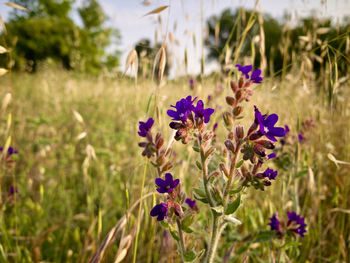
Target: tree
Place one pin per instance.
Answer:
(47, 31)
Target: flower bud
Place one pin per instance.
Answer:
(176, 125)
(241, 81)
(228, 119)
(223, 169)
(255, 136)
(259, 150)
(234, 86)
(210, 152)
(237, 110)
(253, 127)
(267, 182)
(231, 135)
(178, 209)
(143, 144)
(266, 144)
(160, 160)
(230, 101)
(238, 95)
(229, 145)
(239, 132)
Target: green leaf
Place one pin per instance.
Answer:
(196, 149)
(202, 199)
(200, 192)
(174, 234)
(239, 164)
(187, 221)
(199, 165)
(186, 229)
(149, 103)
(235, 191)
(232, 220)
(232, 206)
(189, 256)
(263, 236)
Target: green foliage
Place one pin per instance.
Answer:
(48, 32)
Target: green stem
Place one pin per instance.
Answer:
(139, 213)
(205, 174)
(215, 236)
(232, 170)
(181, 241)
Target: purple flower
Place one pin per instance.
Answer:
(183, 108)
(245, 70)
(255, 77)
(301, 137)
(10, 151)
(271, 155)
(168, 185)
(267, 124)
(191, 203)
(13, 190)
(201, 113)
(160, 210)
(144, 127)
(275, 223)
(191, 81)
(271, 174)
(296, 220)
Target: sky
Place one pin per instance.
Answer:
(128, 17)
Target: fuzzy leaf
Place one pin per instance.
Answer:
(232, 206)
(239, 164)
(218, 209)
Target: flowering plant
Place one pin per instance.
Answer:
(226, 172)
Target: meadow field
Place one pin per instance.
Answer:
(75, 187)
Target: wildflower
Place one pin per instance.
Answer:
(201, 113)
(183, 108)
(301, 137)
(275, 223)
(245, 70)
(266, 125)
(168, 185)
(295, 220)
(286, 129)
(144, 127)
(270, 173)
(10, 151)
(191, 203)
(160, 210)
(255, 76)
(13, 190)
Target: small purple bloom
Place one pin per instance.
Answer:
(183, 108)
(298, 221)
(271, 174)
(271, 155)
(10, 151)
(144, 127)
(191, 82)
(275, 223)
(245, 70)
(301, 137)
(13, 190)
(267, 123)
(201, 113)
(160, 210)
(255, 77)
(168, 185)
(191, 203)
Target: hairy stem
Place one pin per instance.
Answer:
(181, 241)
(215, 236)
(232, 170)
(205, 174)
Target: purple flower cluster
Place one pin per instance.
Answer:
(295, 224)
(185, 107)
(145, 127)
(166, 186)
(255, 77)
